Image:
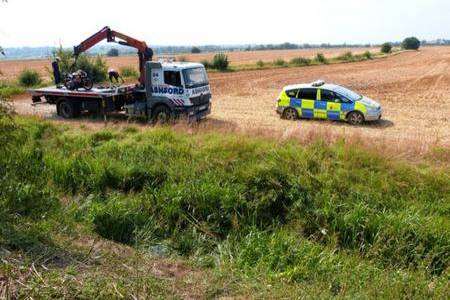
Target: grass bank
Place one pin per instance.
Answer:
(253, 217)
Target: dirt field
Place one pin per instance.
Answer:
(413, 88)
(11, 69)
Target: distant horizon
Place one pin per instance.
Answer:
(42, 52)
(355, 44)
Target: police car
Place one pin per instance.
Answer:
(320, 100)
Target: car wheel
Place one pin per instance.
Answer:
(355, 118)
(162, 115)
(66, 109)
(290, 114)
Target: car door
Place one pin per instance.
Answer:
(320, 106)
(333, 105)
(308, 97)
(293, 100)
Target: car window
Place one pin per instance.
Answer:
(342, 99)
(309, 94)
(327, 95)
(292, 93)
(172, 78)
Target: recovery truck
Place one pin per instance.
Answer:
(165, 90)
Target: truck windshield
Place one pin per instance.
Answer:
(351, 95)
(195, 77)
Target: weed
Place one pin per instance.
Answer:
(320, 58)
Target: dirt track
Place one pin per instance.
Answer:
(413, 87)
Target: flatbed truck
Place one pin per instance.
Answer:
(170, 90)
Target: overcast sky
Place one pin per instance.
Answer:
(199, 22)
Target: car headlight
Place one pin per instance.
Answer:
(373, 110)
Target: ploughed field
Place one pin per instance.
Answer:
(413, 88)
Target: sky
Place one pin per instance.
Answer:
(200, 22)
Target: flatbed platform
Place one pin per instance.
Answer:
(94, 93)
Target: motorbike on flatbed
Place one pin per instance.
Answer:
(77, 80)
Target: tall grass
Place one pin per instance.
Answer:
(325, 214)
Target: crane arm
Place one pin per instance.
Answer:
(144, 52)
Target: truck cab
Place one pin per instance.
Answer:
(172, 90)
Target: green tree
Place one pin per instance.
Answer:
(113, 52)
(195, 50)
(411, 43)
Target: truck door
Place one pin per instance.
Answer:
(152, 77)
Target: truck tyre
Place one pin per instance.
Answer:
(290, 114)
(66, 109)
(355, 118)
(162, 115)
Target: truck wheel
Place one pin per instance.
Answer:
(355, 118)
(66, 109)
(162, 115)
(290, 114)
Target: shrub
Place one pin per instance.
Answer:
(113, 52)
(220, 62)
(195, 50)
(386, 48)
(129, 72)
(347, 56)
(411, 43)
(260, 64)
(367, 55)
(279, 62)
(320, 58)
(300, 61)
(29, 78)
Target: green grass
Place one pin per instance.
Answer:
(8, 89)
(257, 218)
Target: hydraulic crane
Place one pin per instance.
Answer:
(144, 52)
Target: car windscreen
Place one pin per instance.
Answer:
(195, 77)
(349, 94)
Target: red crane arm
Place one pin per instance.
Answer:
(144, 52)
